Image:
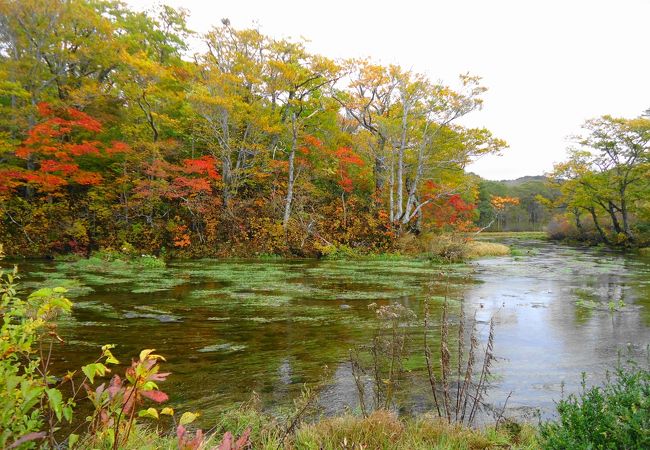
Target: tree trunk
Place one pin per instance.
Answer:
(226, 176)
(413, 187)
(626, 222)
(380, 168)
(580, 228)
(611, 209)
(602, 234)
(291, 180)
(400, 165)
(391, 182)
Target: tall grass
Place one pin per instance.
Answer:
(458, 394)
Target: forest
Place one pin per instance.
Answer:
(115, 131)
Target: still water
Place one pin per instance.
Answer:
(230, 328)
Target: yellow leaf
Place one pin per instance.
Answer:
(148, 354)
(188, 417)
(151, 412)
(167, 411)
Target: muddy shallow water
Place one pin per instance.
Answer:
(229, 328)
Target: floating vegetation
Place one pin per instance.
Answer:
(97, 307)
(225, 348)
(159, 317)
(254, 317)
(74, 287)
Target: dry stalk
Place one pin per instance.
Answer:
(357, 374)
(461, 348)
(427, 356)
(501, 414)
(485, 371)
(469, 370)
(445, 360)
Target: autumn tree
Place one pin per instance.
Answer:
(233, 99)
(607, 173)
(299, 82)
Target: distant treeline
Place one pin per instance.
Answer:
(530, 213)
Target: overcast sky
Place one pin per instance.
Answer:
(549, 65)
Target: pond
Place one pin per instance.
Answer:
(230, 328)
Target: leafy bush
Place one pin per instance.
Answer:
(27, 395)
(616, 416)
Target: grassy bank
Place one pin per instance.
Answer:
(616, 415)
(439, 247)
(380, 430)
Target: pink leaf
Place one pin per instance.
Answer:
(243, 439)
(226, 442)
(114, 386)
(156, 396)
(159, 376)
(180, 432)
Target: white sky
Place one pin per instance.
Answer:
(549, 65)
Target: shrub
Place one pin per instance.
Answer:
(27, 397)
(615, 416)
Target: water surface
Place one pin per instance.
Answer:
(229, 328)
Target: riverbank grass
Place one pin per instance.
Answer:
(380, 430)
(479, 249)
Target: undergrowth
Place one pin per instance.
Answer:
(614, 416)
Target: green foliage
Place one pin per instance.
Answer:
(111, 261)
(26, 398)
(604, 184)
(614, 416)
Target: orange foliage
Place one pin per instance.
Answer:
(501, 203)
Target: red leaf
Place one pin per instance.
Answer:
(156, 396)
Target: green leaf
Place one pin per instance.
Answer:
(92, 370)
(106, 352)
(56, 401)
(72, 440)
(167, 411)
(44, 292)
(67, 413)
